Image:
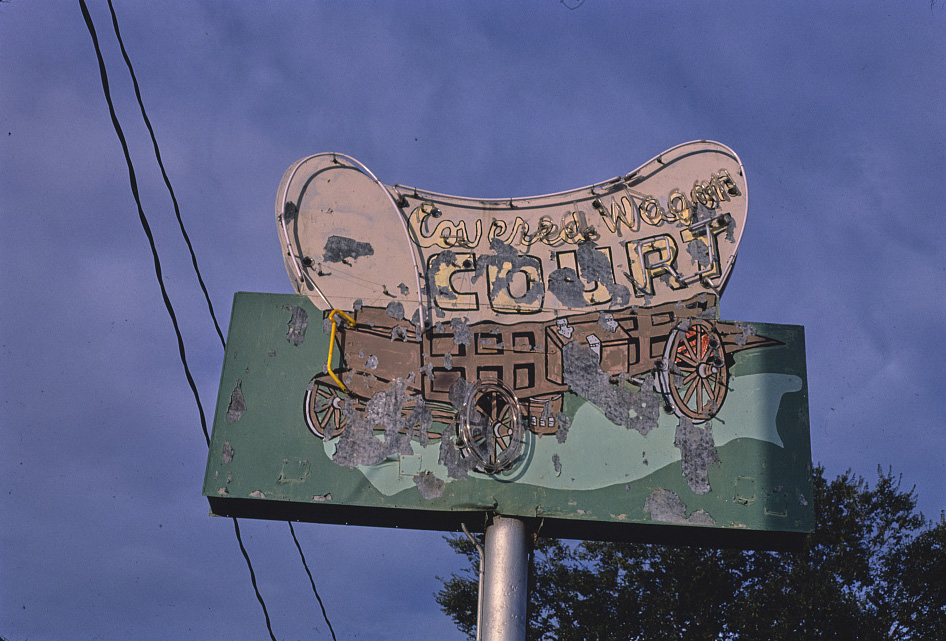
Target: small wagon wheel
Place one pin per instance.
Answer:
(694, 377)
(491, 427)
(324, 404)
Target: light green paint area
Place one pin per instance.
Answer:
(620, 455)
(263, 453)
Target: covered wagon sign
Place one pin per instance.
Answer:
(557, 357)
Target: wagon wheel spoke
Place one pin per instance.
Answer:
(690, 388)
(719, 388)
(700, 386)
(684, 363)
(494, 410)
(478, 433)
(687, 350)
(702, 342)
(327, 411)
(502, 433)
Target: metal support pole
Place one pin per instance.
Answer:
(506, 580)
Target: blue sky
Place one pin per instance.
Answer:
(836, 112)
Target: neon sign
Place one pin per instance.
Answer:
(561, 346)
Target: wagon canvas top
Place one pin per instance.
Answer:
(556, 357)
(658, 234)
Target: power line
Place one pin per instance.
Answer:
(141, 215)
(311, 580)
(200, 279)
(158, 274)
(249, 565)
(167, 181)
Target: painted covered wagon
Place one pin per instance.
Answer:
(483, 315)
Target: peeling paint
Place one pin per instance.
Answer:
(459, 392)
(635, 410)
(502, 268)
(439, 262)
(227, 454)
(747, 331)
(237, 407)
(697, 453)
(427, 369)
(395, 310)
(699, 252)
(429, 486)
(607, 322)
(462, 334)
(666, 507)
(567, 287)
(701, 213)
(256, 494)
(563, 328)
(458, 466)
(557, 464)
(564, 423)
(339, 248)
(297, 324)
(596, 268)
(322, 498)
(358, 444)
(711, 313)
(418, 324)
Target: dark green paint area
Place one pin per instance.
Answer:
(266, 463)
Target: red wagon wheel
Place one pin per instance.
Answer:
(694, 376)
(324, 405)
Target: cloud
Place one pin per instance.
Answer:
(834, 112)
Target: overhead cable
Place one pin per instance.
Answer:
(200, 280)
(164, 174)
(158, 274)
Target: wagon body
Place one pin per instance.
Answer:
(529, 358)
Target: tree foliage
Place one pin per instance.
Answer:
(873, 569)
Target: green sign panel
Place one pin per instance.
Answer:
(633, 434)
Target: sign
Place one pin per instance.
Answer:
(558, 357)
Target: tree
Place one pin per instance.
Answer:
(873, 569)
